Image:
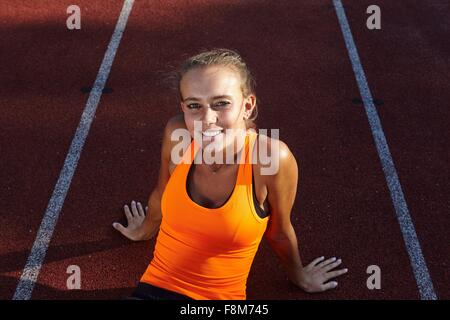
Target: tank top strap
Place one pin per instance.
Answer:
(247, 172)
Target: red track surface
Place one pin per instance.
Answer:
(305, 88)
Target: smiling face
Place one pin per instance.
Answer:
(212, 99)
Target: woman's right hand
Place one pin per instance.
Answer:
(135, 219)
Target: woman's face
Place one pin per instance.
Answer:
(212, 99)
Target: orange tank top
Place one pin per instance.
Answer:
(204, 253)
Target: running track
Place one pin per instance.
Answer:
(306, 88)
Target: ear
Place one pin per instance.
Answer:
(249, 105)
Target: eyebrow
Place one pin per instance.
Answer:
(213, 98)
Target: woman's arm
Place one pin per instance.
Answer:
(280, 234)
(145, 225)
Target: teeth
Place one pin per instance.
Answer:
(211, 133)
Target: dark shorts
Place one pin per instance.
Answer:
(145, 291)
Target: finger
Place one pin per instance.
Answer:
(146, 209)
(134, 209)
(119, 227)
(140, 209)
(326, 262)
(334, 274)
(316, 261)
(329, 285)
(332, 265)
(128, 213)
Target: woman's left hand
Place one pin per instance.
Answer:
(314, 277)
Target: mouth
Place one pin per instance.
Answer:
(211, 133)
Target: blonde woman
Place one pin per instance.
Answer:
(211, 217)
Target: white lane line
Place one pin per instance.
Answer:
(416, 258)
(44, 235)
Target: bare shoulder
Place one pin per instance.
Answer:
(280, 160)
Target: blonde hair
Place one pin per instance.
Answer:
(222, 57)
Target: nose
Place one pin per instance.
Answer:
(209, 116)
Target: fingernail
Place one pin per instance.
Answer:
(334, 258)
(335, 284)
(345, 270)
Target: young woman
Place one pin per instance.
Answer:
(211, 217)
